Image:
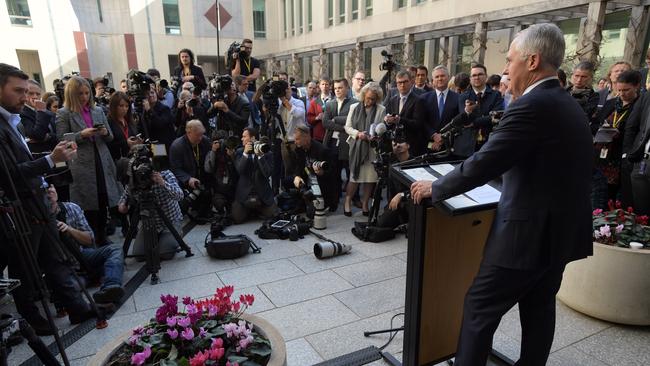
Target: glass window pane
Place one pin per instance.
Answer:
(19, 12)
(368, 8)
(259, 20)
(171, 16)
(309, 15)
(401, 3)
(330, 12)
(341, 11)
(367, 60)
(612, 47)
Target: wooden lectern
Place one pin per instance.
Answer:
(445, 248)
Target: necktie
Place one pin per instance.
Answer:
(479, 97)
(441, 105)
(402, 100)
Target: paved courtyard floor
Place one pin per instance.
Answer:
(322, 307)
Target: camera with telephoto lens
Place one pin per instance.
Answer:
(59, 86)
(233, 50)
(105, 97)
(145, 160)
(219, 86)
(272, 90)
(261, 147)
(138, 86)
(388, 64)
(195, 193)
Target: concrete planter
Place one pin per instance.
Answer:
(278, 353)
(612, 285)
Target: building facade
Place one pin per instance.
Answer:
(306, 38)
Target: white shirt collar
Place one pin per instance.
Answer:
(480, 91)
(530, 88)
(12, 118)
(444, 92)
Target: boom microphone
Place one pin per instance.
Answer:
(380, 129)
(457, 122)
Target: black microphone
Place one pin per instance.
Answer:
(458, 121)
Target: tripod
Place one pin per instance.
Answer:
(16, 227)
(147, 210)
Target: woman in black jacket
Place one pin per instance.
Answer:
(188, 71)
(120, 120)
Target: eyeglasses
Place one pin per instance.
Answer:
(403, 81)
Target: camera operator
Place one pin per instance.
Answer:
(188, 71)
(107, 261)
(254, 164)
(246, 65)
(159, 119)
(102, 91)
(38, 124)
(312, 156)
(396, 213)
(400, 109)
(478, 101)
(220, 162)
(167, 194)
(27, 174)
(187, 161)
(232, 110)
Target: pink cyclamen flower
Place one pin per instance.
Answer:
(217, 343)
(172, 333)
(597, 212)
(202, 332)
(187, 300)
(619, 228)
(212, 311)
(606, 231)
(133, 340)
(171, 321)
(140, 357)
(184, 322)
(187, 334)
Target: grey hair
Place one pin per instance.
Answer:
(35, 83)
(194, 125)
(374, 88)
(440, 67)
(545, 39)
(404, 73)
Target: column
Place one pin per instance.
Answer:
(409, 50)
(591, 36)
(359, 60)
(637, 28)
(452, 62)
(479, 42)
(323, 67)
(443, 50)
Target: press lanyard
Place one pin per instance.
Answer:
(617, 119)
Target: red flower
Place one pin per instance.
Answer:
(618, 204)
(630, 210)
(247, 299)
(597, 212)
(643, 220)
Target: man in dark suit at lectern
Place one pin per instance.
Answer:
(543, 150)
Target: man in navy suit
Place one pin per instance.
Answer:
(439, 106)
(483, 100)
(543, 220)
(400, 109)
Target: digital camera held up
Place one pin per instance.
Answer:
(218, 86)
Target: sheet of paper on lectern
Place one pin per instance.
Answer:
(460, 201)
(442, 169)
(484, 194)
(420, 174)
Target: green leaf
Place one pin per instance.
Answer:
(168, 363)
(249, 363)
(173, 353)
(238, 359)
(183, 362)
(261, 350)
(156, 339)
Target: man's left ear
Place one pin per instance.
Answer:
(533, 62)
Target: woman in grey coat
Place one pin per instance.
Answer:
(94, 185)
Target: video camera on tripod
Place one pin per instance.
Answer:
(218, 87)
(388, 64)
(138, 86)
(272, 90)
(385, 135)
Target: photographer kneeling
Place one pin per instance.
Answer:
(396, 213)
(312, 156)
(167, 193)
(220, 162)
(254, 164)
(107, 260)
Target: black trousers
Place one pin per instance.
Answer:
(59, 275)
(496, 290)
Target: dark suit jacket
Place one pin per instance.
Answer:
(254, 173)
(644, 77)
(428, 109)
(637, 129)
(25, 171)
(544, 215)
(413, 123)
(183, 164)
(492, 100)
(161, 124)
(199, 80)
(39, 127)
(119, 147)
(334, 120)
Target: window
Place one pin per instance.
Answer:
(309, 15)
(401, 4)
(259, 21)
(293, 17)
(341, 65)
(19, 12)
(367, 60)
(285, 18)
(341, 11)
(330, 12)
(172, 18)
(300, 17)
(368, 8)
(418, 52)
(419, 1)
(355, 9)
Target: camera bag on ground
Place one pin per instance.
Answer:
(221, 246)
(284, 226)
(372, 234)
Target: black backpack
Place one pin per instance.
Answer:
(372, 234)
